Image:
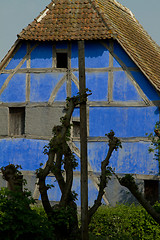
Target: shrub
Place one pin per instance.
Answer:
(18, 221)
(124, 222)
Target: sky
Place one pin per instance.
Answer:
(17, 14)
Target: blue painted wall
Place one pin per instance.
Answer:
(138, 76)
(144, 84)
(3, 78)
(76, 112)
(96, 55)
(98, 84)
(74, 89)
(25, 152)
(132, 158)
(15, 90)
(42, 56)
(123, 88)
(62, 93)
(127, 122)
(17, 58)
(42, 86)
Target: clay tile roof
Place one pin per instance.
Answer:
(67, 20)
(97, 19)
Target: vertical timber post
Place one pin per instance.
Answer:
(83, 143)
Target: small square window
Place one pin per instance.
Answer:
(62, 60)
(76, 128)
(151, 190)
(16, 120)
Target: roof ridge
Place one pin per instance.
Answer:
(44, 12)
(103, 17)
(125, 9)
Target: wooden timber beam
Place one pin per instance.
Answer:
(83, 143)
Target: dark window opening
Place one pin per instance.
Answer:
(151, 190)
(62, 60)
(16, 120)
(76, 128)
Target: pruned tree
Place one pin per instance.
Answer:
(13, 177)
(114, 144)
(60, 154)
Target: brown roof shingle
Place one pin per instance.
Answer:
(97, 19)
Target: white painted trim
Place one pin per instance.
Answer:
(43, 15)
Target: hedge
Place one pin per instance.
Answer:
(124, 222)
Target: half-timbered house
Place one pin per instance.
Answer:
(122, 71)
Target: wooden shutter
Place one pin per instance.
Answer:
(16, 120)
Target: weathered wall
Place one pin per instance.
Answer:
(41, 120)
(4, 113)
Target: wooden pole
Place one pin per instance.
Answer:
(83, 144)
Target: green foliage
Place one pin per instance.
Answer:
(18, 221)
(14, 168)
(123, 223)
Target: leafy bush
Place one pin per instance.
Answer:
(124, 222)
(18, 221)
